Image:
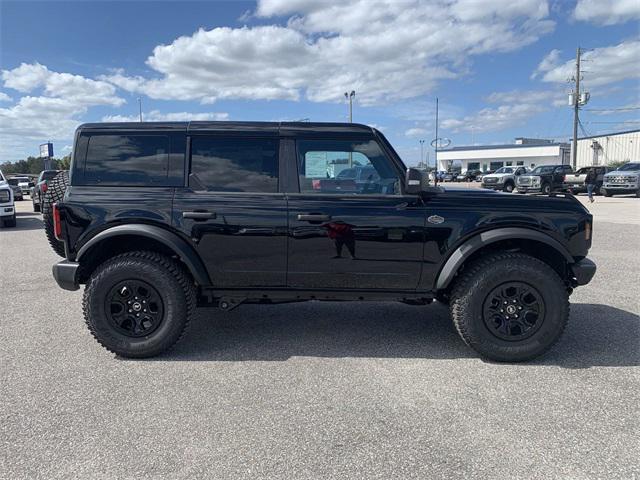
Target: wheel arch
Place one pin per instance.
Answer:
(122, 238)
(510, 238)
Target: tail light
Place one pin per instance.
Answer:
(43, 187)
(564, 178)
(57, 223)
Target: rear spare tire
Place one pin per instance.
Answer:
(509, 307)
(56, 189)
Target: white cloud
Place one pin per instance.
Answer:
(607, 12)
(602, 66)
(553, 97)
(53, 108)
(549, 62)
(157, 116)
(386, 50)
(5, 98)
(494, 119)
(415, 132)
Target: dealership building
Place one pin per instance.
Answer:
(532, 152)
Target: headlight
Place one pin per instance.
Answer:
(5, 196)
(500, 179)
(632, 179)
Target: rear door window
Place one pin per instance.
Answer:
(129, 160)
(222, 164)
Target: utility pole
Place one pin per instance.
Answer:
(140, 107)
(421, 152)
(435, 153)
(349, 96)
(576, 110)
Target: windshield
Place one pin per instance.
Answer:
(540, 170)
(504, 170)
(13, 181)
(629, 166)
(48, 175)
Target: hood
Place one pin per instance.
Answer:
(618, 173)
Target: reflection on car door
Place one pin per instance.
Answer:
(348, 234)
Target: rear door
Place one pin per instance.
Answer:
(232, 209)
(352, 232)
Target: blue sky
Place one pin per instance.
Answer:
(498, 66)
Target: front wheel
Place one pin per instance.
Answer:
(508, 187)
(9, 222)
(606, 193)
(510, 307)
(546, 188)
(139, 304)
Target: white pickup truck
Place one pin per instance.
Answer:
(576, 182)
(7, 207)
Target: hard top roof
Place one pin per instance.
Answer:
(202, 126)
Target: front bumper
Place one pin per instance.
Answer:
(7, 211)
(493, 186)
(614, 187)
(583, 271)
(65, 274)
(522, 189)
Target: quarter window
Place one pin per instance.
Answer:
(235, 165)
(345, 167)
(127, 160)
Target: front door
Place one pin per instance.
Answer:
(350, 227)
(233, 212)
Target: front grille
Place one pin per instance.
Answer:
(490, 180)
(524, 181)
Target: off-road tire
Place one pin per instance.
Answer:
(472, 288)
(174, 285)
(56, 189)
(546, 188)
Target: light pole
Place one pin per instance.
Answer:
(140, 107)
(421, 152)
(349, 96)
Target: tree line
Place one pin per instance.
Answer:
(34, 165)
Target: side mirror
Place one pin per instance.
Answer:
(413, 181)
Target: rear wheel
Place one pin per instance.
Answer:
(138, 304)
(56, 189)
(510, 307)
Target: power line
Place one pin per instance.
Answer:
(620, 109)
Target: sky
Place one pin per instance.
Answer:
(498, 67)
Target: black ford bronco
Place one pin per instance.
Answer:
(159, 218)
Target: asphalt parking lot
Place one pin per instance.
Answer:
(319, 390)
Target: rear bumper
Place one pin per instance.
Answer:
(64, 273)
(583, 271)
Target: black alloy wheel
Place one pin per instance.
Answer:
(513, 311)
(134, 308)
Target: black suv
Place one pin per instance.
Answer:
(161, 217)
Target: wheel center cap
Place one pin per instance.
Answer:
(511, 309)
(137, 307)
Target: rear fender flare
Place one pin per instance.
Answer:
(464, 251)
(181, 248)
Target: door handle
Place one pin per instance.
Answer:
(199, 215)
(313, 217)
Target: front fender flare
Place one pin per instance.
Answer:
(181, 248)
(464, 251)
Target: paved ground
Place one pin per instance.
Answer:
(333, 390)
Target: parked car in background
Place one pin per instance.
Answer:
(623, 180)
(448, 176)
(543, 179)
(576, 182)
(7, 207)
(17, 191)
(40, 188)
(503, 179)
(25, 183)
(468, 176)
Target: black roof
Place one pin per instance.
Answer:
(203, 126)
